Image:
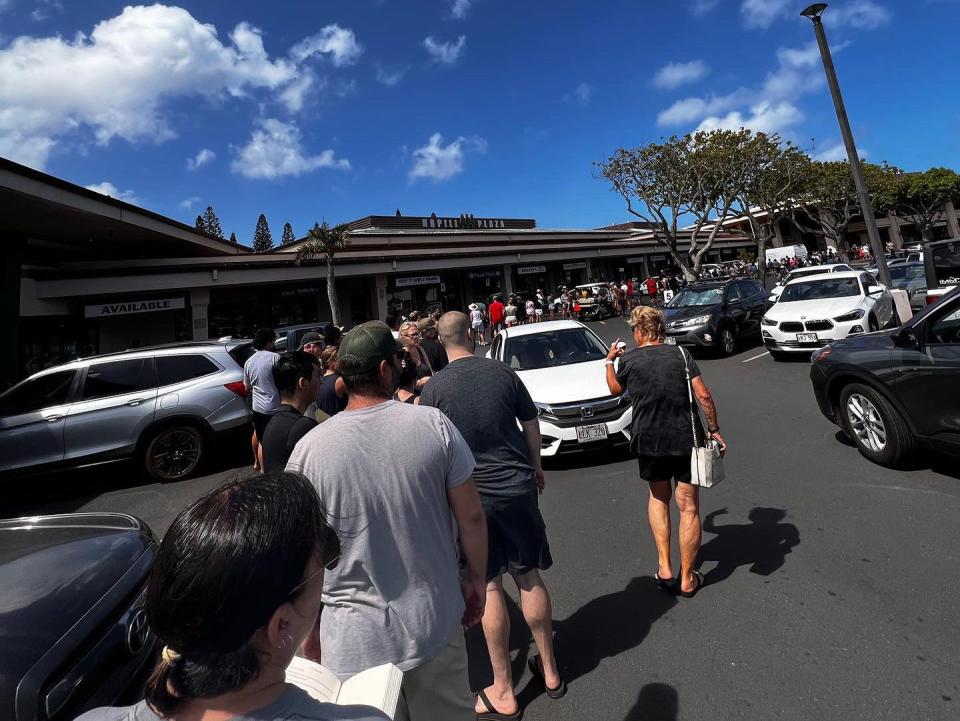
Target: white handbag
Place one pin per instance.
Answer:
(706, 462)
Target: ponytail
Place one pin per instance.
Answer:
(177, 680)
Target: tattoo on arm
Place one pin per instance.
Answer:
(709, 410)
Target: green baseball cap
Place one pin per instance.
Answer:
(363, 347)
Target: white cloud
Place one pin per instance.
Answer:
(699, 8)
(203, 156)
(390, 77)
(837, 151)
(763, 13)
(689, 110)
(439, 162)
(340, 43)
(275, 150)
(445, 53)
(115, 81)
(762, 118)
(460, 8)
(294, 95)
(44, 9)
(188, 203)
(108, 188)
(673, 75)
(581, 95)
(861, 14)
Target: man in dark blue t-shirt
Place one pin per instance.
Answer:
(508, 476)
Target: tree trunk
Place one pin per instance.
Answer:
(332, 294)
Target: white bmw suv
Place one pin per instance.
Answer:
(815, 311)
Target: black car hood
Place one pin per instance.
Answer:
(690, 311)
(870, 341)
(53, 570)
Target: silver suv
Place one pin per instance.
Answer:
(161, 404)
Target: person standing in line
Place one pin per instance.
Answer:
(312, 343)
(436, 355)
(496, 316)
(565, 303)
(508, 476)
(407, 382)
(331, 336)
(297, 378)
(476, 324)
(258, 380)
(396, 594)
(410, 338)
(661, 436)
(510, 312)
(331, 395)
(529, 308)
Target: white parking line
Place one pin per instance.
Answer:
(603, 322)
(755, 357)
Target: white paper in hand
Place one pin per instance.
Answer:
(378, 687)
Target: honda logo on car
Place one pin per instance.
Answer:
(135, 306)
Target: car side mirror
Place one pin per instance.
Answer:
(875, 289)
(906, 338)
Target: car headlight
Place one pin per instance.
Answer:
(767, 321)
(690, 322)
(543, 409)
(852, 315)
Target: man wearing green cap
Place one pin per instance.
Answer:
(393, 478)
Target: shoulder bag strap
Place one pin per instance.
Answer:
(686, 370)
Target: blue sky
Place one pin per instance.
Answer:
(343, 108)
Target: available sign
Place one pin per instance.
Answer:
(575, 266)
(417, 280)
(103, 310)
(531, 269)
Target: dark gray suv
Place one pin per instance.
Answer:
(161, 405)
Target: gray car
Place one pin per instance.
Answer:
(161, 405)
(911, 277)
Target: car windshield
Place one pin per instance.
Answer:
(553, 348)
(689, 297)
(820, 288)
(907, 272)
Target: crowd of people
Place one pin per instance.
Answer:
(392, 501)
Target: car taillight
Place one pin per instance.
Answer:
(237, 387)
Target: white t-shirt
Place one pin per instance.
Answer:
(476, 317)
(258, 376)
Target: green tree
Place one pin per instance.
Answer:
(200, 224)
(288, 236)
(262, 239)
(211, 223)
(233, 238)
(696, 178)
(920, 197)
(325, 242)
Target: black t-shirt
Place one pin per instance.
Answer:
(655, 379)
(286, 427)
(327, 399)
(435, 352)
(484, 399)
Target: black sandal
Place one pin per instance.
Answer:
(491, 714)
(535, 664)
(667, 584)
(699, 582)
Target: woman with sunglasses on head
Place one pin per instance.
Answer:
(410, 337)
(235, 589)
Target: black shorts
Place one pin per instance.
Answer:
(516, 536)
(260, 421)
(665, 468)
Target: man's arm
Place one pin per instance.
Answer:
(531, 430)
(465, 504)
(613, 353)
(705, 399)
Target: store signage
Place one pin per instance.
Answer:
(463, 222)
(658, 257)
(102, 310)
(635, 260)
(531, 269)
(575, 266)
(481, 274)
(417, 280)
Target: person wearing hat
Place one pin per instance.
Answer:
(312, 343)
(476, 322)
(235, 588)
(396, 476)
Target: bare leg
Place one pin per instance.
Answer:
(658, 512)
(688, 501)
(496, 631)
(255, 446)
(538, 613)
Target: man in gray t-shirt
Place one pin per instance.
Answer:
(395, 480)
(259, 383)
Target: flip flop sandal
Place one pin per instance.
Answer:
(699, 583)
(491, 714)
(667, 584)
(535, 664)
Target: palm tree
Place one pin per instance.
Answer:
(325, 242)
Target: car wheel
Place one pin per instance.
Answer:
(172, 454)
(872, 325)
(728, 341)
(875, 426)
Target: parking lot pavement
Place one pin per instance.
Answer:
(832, 581)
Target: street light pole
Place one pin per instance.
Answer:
(814, 12)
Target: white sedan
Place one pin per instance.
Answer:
(813, 312)
(561, 364)
(803, 272)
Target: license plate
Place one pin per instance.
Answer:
(670, 341)
(586, 434)
(806, 337)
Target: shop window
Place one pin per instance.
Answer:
(116, 378)
(179, 368)
(33, 395)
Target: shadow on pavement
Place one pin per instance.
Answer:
(656, 702)
(762, 544)
(923, 461)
